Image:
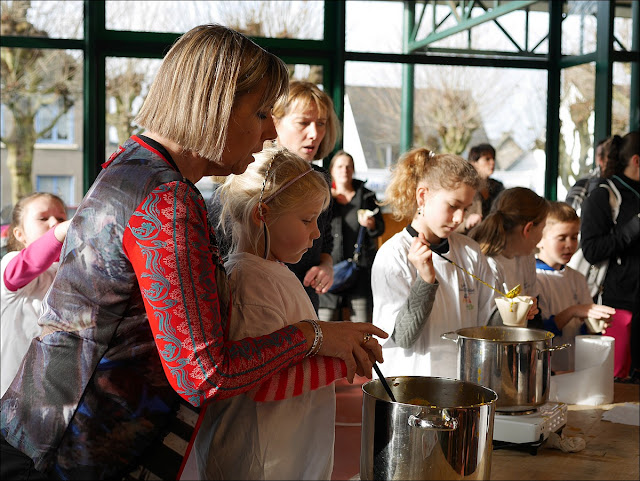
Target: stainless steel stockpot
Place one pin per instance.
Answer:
(513, 361)
(438, 428)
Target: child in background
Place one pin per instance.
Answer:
(564, 295)
(418, 295)
(508, 236)
(38, 228)
(273, 210)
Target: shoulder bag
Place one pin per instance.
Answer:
(345, 272)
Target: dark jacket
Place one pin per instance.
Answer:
(345, 228)
(620, 243)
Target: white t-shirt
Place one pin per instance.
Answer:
(20, 311)
(560, 289)
(517, 270)
(460, 301)
(289, 439)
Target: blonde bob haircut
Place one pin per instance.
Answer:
(512, 209)
(303, 95)
(202, 75)
(421, 166)
(240, 194)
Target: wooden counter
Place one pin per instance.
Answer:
(612, 450)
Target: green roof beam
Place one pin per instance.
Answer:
(471, 22)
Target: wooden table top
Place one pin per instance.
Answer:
(612, 449)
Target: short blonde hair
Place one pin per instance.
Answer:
(202, 75)
(561, 212)
(302, 95)
(240, 194)
(436, 171)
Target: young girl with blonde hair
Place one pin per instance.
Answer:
(418, 295)
(508, 236)
(272, 211)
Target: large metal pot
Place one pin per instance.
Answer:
(438, 428)
(513, 361)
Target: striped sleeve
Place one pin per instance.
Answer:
(310, 374)
(169, 245)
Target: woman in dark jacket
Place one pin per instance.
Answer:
(354, 207)
(618, 240)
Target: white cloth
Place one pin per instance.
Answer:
(460, 301)
(517, 270)
(289, 439)
(558, 290)
(19, 313)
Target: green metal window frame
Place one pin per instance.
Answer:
(99, 43)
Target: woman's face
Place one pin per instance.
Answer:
(485, 166)
(249, 127)
(302, 130)
(342, 170)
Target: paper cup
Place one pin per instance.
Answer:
(594, 326)
(514, 311)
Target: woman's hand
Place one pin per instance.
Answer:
(352, 342)
(421, 257)
(320, 277)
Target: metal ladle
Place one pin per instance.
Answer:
(509, 295)
(384, 382)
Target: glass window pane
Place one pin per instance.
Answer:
(127, 84)
(264, 18)
(579, 28)
(53, 19)
(621, 101)
(575, 159)
(374, 27)
(459, 107)
(622, 25)
(61, 185)
(41, 94)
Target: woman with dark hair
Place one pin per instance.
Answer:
(618, 240)
(355, 218)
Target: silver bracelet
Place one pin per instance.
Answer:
(317, 340)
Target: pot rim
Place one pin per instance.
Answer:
(466, 406)
(545, 335)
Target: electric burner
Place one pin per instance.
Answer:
(528, 430)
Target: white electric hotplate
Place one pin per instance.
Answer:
(530, 428)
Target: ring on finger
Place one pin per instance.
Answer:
(366, 338)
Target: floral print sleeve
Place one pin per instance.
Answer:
(186, 299)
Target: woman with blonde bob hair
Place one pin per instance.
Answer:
(135, 322)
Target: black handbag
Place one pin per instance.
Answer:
(345, 272)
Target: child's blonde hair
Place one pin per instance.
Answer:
(17, 217)
(512, 208)
(561, 212)
(288, 181)
(437, 171)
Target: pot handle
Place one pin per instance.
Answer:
(451, 336)
(443, 422)
(553, 348)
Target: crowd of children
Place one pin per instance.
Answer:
(423, 280)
